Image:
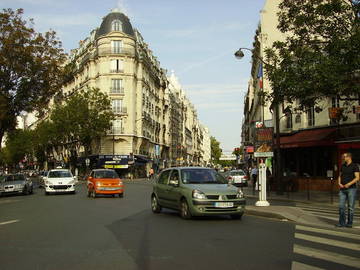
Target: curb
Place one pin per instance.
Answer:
(265, 214)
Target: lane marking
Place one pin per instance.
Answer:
(327, 241)
(9, 222)
(329, 232)
(300, 266)
(9, 201)
(327, 256)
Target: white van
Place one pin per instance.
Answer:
(59, 180)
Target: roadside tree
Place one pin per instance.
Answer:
(30, 68)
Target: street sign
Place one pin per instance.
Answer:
(264, 154)
(228, 157)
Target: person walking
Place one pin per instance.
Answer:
(151, 173)
(254, 175)
(347, 179)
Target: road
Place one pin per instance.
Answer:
(76, 232)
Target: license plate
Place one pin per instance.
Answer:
(224, 204)
(239, 181)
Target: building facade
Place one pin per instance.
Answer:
(312, 141)
(151, 127)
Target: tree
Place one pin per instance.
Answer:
(320, 57)
(30, 68)
(19, 144)
(215, 150)
(84, 117)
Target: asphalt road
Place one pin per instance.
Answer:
(76, 232)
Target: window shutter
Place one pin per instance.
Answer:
(113, 65)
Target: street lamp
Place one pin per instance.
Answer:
(239, 54)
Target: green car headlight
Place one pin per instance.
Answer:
(197, 194)
(240, 194)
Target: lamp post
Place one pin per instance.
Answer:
(239, 54)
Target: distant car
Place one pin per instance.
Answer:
(237, 178)
(106, 182)
(15, 184)
(196, 191)
(59, 180)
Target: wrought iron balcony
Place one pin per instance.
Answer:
(117, 90)
(121, 110)
(116, 131)
(115, 51)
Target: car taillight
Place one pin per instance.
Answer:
(245, 177)
(229, 178)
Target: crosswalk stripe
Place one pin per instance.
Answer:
(327, 256)
(336, 215)
(325, 212)
(327, 241)
(300, 266)
(328, 232)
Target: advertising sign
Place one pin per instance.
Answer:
(264, 135)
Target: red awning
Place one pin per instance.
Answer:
(309, 138)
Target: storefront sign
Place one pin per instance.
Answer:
(335, 112)
(250, 149)
(109, 166)
(264, 154)
(264, 135)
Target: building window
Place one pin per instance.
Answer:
(117, 105)
(117, 126)
(116, 86)
(289, 121)
(116, 25)
(358, 114)
(298, 119)
(116, 46)
(311, 116)
(116, 66)
(335, 102)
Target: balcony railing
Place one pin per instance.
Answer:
(122, 110)
(116, 70)
(115, 51)
(116, 131)
(117, 90)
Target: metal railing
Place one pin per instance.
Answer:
(116, 131)
(115, 51)
(122, 110)
(117, 71)
(117, 90)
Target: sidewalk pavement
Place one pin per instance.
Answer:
(294, 208)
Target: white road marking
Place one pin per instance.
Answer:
(8, 201)
(327, 256)
(327, 241)
(9, 222)
(329, 232)
(300, 266)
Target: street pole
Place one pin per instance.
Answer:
(278, 173)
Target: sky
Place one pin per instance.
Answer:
(196, 39)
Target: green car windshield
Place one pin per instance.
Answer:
(201, 176)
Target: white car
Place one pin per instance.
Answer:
(59, 180)
(237, 178)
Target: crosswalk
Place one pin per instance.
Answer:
(319, 248)
(328, 213)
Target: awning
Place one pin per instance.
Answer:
(309, 138)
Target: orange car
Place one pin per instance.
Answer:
(104, 181)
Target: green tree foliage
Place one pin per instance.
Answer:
(19, 144)
(84, 117)
(215, 150)
(320, 57)
(30, 68)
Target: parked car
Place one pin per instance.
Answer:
(106, 182)
(59, 180)
(15, 184)
(196, 191)
(237, 178)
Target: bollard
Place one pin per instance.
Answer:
(262, 186)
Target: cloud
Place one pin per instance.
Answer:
(215, 89)
(61, 20)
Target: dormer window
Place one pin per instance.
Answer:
(116, 25)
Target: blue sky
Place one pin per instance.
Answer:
(195, 38)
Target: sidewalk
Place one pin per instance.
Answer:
(297, 208)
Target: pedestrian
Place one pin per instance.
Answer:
(347, 179)
(254, 176)
(151, 173)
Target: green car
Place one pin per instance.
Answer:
(196, 191)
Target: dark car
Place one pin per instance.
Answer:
(15, 184)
